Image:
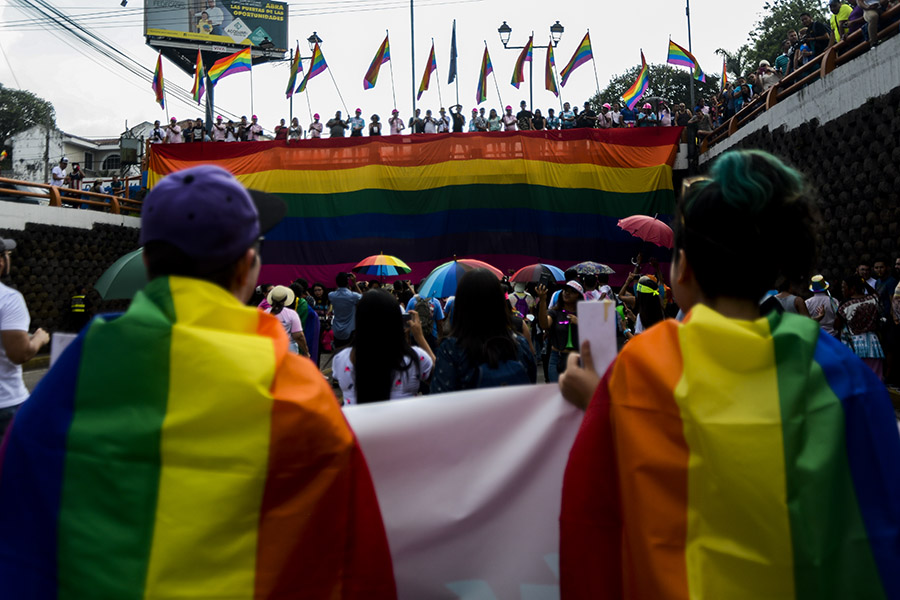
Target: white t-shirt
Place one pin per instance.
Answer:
(406, 383)
(13, 317)
(58, 174)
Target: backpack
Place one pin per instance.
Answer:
(521, 306)
(507, 372)
(425, 308)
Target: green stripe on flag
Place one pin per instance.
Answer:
(832, 557)
(112, 464)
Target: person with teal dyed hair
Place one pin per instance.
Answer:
(733, 455)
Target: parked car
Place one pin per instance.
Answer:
(23, 199)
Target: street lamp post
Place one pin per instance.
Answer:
(556, 31)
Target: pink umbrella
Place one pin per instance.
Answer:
(649, 229)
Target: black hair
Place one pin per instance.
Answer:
(855, 283)
(648, 307)
(481, 322)
(342, 280)
(590, 280)
(164, 259)
(752, 217)
(603, 279)
(571, 274)
(380, 345)
(302, 282)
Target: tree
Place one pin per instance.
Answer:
(21, 110)
(666, 81)
(777, 19)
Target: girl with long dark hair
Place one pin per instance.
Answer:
(561, 324)
(380, 364)
(481, 341)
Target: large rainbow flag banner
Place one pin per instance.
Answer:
(748, 459)
(582, 55)
(238, 62)
(115, 469)
(639, 87)
(507, 198)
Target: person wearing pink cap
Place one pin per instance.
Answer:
(647, 118)
(396, 123)
(509, 120)
(604, 120)
(561, 324)
(255, 130)
(315, 128)
(218, 130)
(357, 124)
(173, 132)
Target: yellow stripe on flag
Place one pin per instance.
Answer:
(214, 450)
(734, 495)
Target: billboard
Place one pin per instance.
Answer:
(218, 21)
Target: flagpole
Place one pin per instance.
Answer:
(291, 102)
(687, 12)
(496, 85)
(344, 104)
(251, 83)
(412, 44)
(437, 76)
(456, 75)
(594, 63)
(556, 79)
(393, 89)
(308, 103)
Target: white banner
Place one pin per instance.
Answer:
(469, 486)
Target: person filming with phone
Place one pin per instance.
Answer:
(561, 322)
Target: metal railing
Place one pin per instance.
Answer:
(58, 196)
(817, 68)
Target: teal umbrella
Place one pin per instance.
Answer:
(124, 278)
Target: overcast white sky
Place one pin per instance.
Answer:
(94, 97)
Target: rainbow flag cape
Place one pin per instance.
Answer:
(549, 77)
(430, 197)
(486, 69)
(680, 56)
(519, 70)
(430, 67)
(180, 451)
(157, 84)
(317, 65)
(235, 63)
(582, 55)
(724, 74)
(637, 89)
(750, 459)
(199, 79)
(382, 56)
(296, 67)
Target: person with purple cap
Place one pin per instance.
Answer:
(18, 346)
(357, 124)
(264, 445)
(561, 324)
(315, 128)
(396, 123)
(255, 130)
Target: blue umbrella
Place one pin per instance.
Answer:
(442, 282)
(532, 273)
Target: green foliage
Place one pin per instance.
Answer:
(21, 110)
(777, 18)
(666, 81)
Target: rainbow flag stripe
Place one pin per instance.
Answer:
(637, 89)
(549, 76)
(382, 56)
(508, 199)
(430, 67)
(724, 81)
(238, 62)
(582, 55)
(486, 69)
(750, 459)
(174, 470)
(680, 56)
(518, 75)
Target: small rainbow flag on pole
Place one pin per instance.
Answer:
(486, 69)
(680, 56)
(582, 55)
(158, 82)
(317, 65)
(382, 56)
(235, 63)
(199, 79)
(549, 77)
(724, 74)
(634, 93)
(296, 67)
(519, 71)
(430, 67)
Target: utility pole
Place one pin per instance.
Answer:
(687, 12)
(412, 43)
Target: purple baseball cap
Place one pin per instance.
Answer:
(207, 214)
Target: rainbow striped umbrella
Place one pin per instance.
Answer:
(382, 265)
(442, 282)
(532, 273)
